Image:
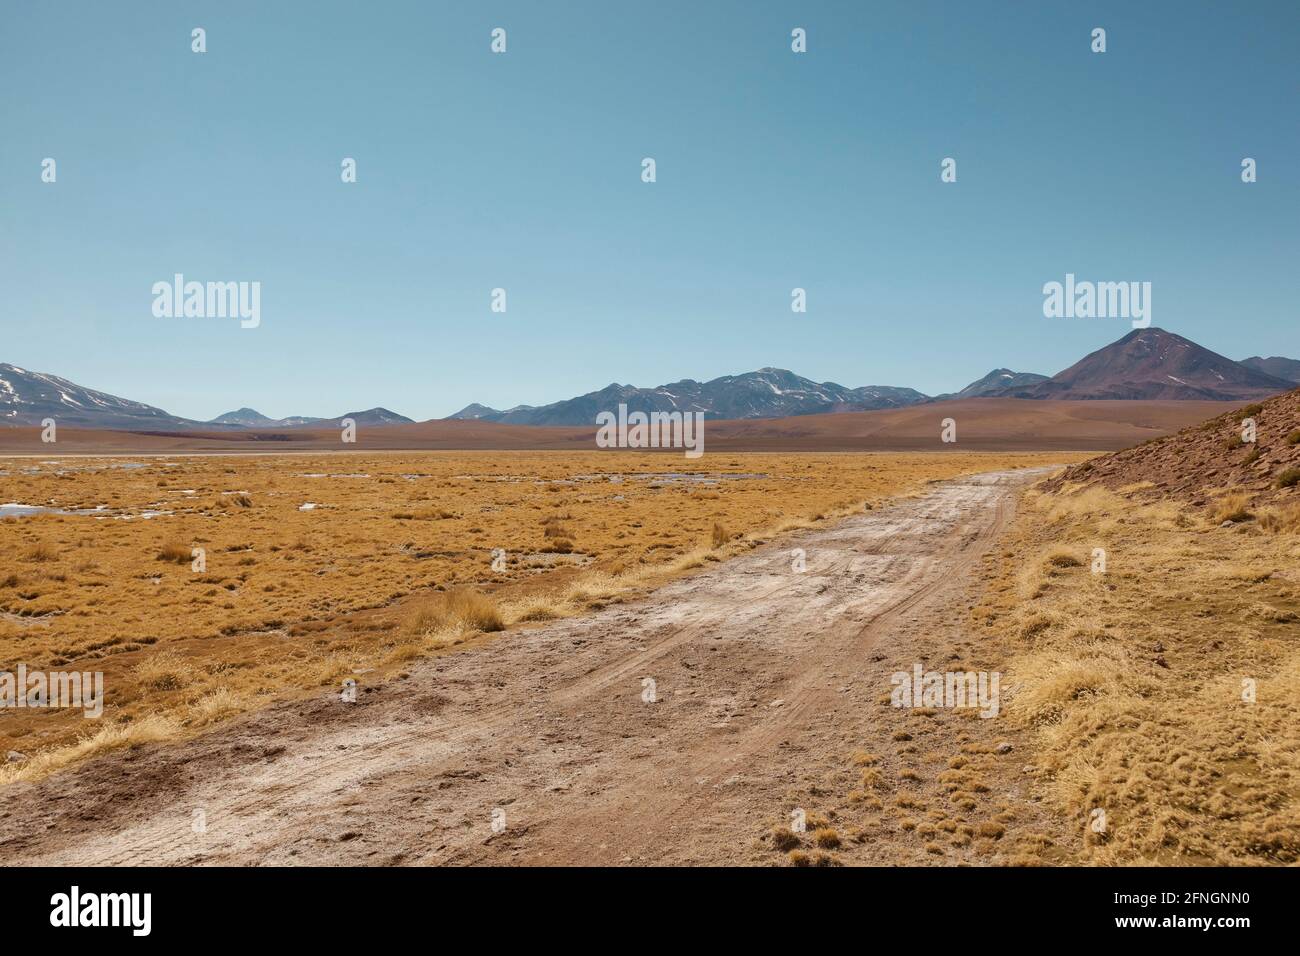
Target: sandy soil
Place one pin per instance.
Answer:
(983, 424)
(764, 679)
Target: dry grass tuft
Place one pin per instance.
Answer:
(42, 552)
(826, 838)
(1283, 519)
(113, 736)
(783, 839)
(213, 707)
(1233, 507)
(460, 610)
(165, 671)
(175, 552)
(1061, 557)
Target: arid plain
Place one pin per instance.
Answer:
(320, 568)
(499, 612)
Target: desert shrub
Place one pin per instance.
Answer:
(826, 838)
(1234, 507)
(461, 608)
(784, 839)
(1288, 478)
(1293, 438)
(720, 535)
(175, 552)
(164, 671)
(1061, 557)
(41, 552)
(1283, 519)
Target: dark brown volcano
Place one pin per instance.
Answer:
(1155, 364)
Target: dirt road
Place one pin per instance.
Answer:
(669, 730)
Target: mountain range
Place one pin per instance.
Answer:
(251, 418)
(27, 398)
(767, 393)
(1146, 364)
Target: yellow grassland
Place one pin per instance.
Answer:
(1163, 695)
(395, 561)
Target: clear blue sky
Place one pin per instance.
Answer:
(522, 170)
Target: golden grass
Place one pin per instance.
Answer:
(212, 707)
(41, 552)
(1133, 681)
(826, 838)
(720, 535)
(113, 736)
(165, 671)
(294, 601)
(175, 552)
(1282, 519)
(1232, 507)
(460, 611)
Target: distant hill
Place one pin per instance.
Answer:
(475, 412)
(1276, 366)
(995, 382)
(1153, 364)
(372, 416)
(1200, 461)
(251, 418)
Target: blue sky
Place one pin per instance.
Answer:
(522, 171)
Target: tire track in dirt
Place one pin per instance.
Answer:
(754, 666)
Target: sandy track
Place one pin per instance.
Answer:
(764, 677)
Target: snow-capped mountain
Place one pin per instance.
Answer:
(252, 418)
(766, 393)
(27, 398)
(476, 411)
(1145, 364)
(995, 381)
